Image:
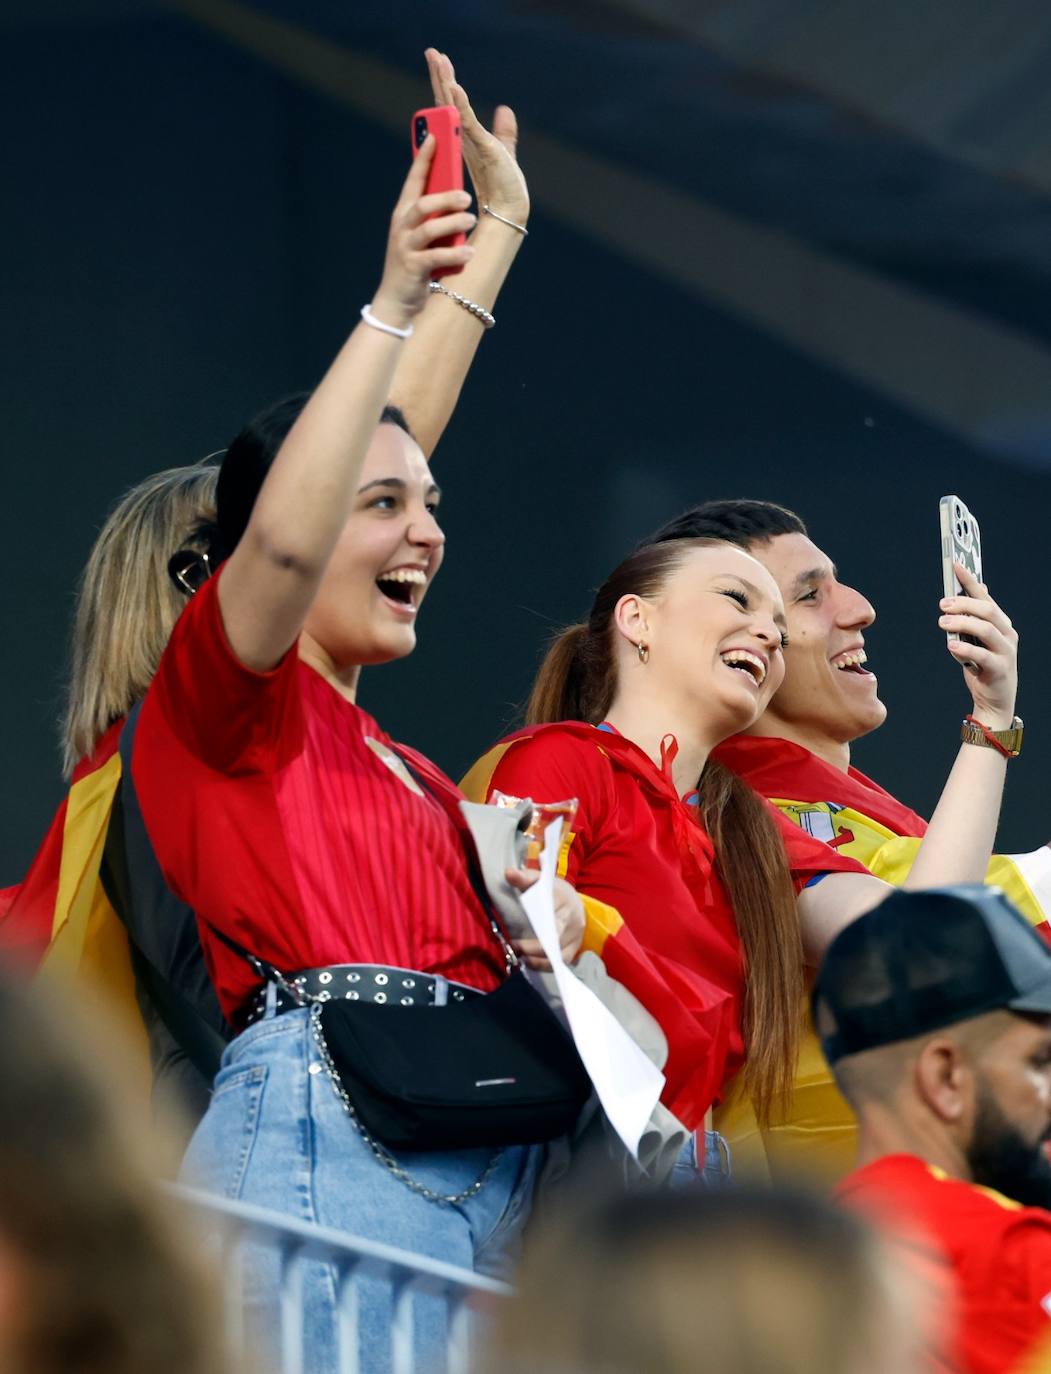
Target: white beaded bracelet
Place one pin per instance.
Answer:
(483, 316)
(371, 320)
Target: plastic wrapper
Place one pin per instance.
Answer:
(543, 814)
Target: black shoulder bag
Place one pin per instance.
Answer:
(498, 1069)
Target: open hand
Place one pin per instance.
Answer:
(569, 919)
(490, 156)
(411, 257)
(993, 679)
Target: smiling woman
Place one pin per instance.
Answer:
(714, 893)
(322, 858)
(683, 647)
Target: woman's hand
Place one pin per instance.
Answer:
(490, 157)
(411, 257)
(993, 680)
(569, 919)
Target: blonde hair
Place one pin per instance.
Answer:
(126, 604)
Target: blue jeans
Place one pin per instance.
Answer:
(276, 1135)
(713, 1173)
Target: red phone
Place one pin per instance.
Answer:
(446, 174)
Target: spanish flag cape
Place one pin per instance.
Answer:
(694, 1015)
(58, 923)
(815, 1133)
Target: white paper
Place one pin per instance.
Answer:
(628, 1084)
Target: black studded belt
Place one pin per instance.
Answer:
(397, 987)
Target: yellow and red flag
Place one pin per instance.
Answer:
(58, 922)
(815, 1133)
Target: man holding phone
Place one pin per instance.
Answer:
(797, 755)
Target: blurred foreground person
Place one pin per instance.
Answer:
(94, 1277)
(935, 1014)
(727, 1282)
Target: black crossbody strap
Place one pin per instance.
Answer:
(271, 974)
(474, 867)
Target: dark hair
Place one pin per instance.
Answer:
(739, 522)
(248, 460)
(577, 681)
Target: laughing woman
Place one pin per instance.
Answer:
(687, 876)
(295, 828)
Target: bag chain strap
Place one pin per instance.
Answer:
(316, 1001)
(271, 974)
(474, 867)
(387, 1160)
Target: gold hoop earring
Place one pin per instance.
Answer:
(644, 652)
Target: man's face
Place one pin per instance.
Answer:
(1012, 1119)
(827, 692)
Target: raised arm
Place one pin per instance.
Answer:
(433, 365)
(270, 580)
(959, 840)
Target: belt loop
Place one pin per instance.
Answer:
(271, 1000)
(441, 990)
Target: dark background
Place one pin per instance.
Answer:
(798, 251)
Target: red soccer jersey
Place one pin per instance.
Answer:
(641, 849)
(280, 813)
(996, 1256)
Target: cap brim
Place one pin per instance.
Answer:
(1036, 999)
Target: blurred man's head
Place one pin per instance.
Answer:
(828, 692)
(745, 1280)
(935, 1014)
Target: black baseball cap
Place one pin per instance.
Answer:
(923, 960)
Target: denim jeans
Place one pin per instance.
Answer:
(276, 1135)
(713, 1173)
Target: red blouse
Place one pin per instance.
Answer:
(641, 849)
(280, 813)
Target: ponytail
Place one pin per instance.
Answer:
(751, 862)
(577, 681)
(561, 690)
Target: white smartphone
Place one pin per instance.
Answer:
(961, 543)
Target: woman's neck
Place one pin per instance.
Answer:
(344, 680)
(647, 724)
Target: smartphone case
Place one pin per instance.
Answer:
(446, 174)
(961, 541)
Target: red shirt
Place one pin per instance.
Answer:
(280, 814)
(639, 848)
(996, 1256)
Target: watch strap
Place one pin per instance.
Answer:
(1008, 742)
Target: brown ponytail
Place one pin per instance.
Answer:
(577, 681)
(750, 859)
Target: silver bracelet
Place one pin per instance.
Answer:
(486, 210)
(485, 318)
(371, 320)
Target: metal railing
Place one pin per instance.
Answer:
(295, 1243)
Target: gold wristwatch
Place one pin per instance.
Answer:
(1010, 740)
